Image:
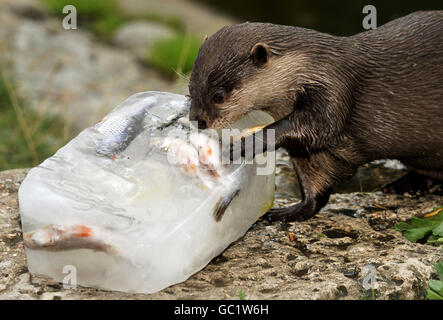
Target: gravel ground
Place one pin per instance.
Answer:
(326, 257)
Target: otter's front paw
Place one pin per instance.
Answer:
(299, 212)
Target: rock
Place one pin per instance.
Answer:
(139, 36)
(391, 164)
(326, 259)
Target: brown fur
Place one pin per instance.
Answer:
(338, 102)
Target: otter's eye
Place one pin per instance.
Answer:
(218, 97)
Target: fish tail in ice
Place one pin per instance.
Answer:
(223, 204)
(232, 183)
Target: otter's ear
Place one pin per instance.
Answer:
(260, 53)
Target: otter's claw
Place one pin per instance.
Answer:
(299, 212)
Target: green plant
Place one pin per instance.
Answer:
(428, 229)
(369, 294)
(26, 137)
(241, 295)
(435, 291)
(175, 54)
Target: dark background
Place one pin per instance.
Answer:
(336, 17)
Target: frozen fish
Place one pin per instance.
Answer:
(118, 133)
(59, 238)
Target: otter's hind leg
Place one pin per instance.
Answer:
(317, 174)
(413, 183)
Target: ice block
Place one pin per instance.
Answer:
(130, 205)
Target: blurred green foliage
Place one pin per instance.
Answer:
(173, 22)
(96, 9)
(101, 16)
(26, 137)
(174, 55)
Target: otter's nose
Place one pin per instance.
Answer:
(194, 116)
(202, 124)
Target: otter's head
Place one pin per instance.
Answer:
(243, 68)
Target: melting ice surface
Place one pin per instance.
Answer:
(109, 210)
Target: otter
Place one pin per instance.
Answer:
(338, 102)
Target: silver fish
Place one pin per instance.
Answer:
(119, 133)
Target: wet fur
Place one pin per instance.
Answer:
(339, 102)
